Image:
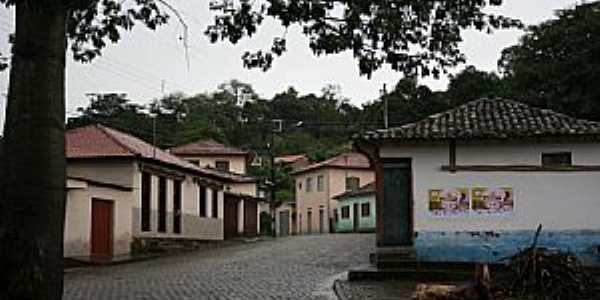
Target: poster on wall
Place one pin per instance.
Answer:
(492, 201)
(449, 202)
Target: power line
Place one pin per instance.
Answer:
(138, 72)
(124, 75)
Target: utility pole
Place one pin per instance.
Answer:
(154, 136)
(272, 194)
(154, 115)
(385, 107)
(277, 127)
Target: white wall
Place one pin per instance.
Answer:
(78, 218)
(193, 226)
(116, 172)
(558, 200)
(237, 163)
(242, 188)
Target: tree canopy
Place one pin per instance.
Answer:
(555, 64)
(413, 37)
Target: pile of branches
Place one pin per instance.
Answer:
(539, 273)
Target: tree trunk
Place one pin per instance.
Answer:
(33, 189)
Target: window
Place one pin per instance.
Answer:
(162, 204)
(352, 183)
(202, 201)
(346, 212)
(320, 183)
(215, 203)
(365, 209)
(309, 184)
(176, 206)
(257, 161)
(335, 215)
(299, 186)
(557, 159)
(146, 188)
(222, 165)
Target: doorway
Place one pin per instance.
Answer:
(397, 210)
(230, 217)
(355, 218)
(102, 228)
(250, 218)
(284, 223)
(321, 221)
(309, 222)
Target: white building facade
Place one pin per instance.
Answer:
(122, 197)
(479, 193)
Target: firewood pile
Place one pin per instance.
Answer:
(534, 273)
(539, 273)
(548, 275)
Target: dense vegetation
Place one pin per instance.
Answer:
(555, 65)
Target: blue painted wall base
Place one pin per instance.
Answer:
(492, 246)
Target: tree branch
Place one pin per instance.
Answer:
(185, 29)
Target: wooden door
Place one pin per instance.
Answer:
(162, 204)
(355, 217)
(321, 221)
(102, 227)
(284, 223)
(230, 217)
(250, 218)
(177, 206)
(309, 222)
(397, 205)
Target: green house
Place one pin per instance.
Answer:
(356, 210)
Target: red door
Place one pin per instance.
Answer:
(250, 218)
(102, 224)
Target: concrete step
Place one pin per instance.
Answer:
(439, 275)
(414, 264)
(395, 256)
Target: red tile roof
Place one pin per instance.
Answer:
(351, 160)
(489, 119)
(98, 141)
(367, 189)
(289, 158)
(206, 147)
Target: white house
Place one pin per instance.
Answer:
(474, 182)
(124, 194)
(244, 199)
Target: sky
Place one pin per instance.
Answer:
(148, 64)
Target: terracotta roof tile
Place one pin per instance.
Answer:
(206, 147)
(364, 190)
(92, 141)
(289, 158)
(489, 119)
(351, 160)
(98, 141)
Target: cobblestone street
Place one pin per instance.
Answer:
(287, 268)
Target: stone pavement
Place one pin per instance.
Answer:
(376, 290)
(298, 267)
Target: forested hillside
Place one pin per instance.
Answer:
(555, 65)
